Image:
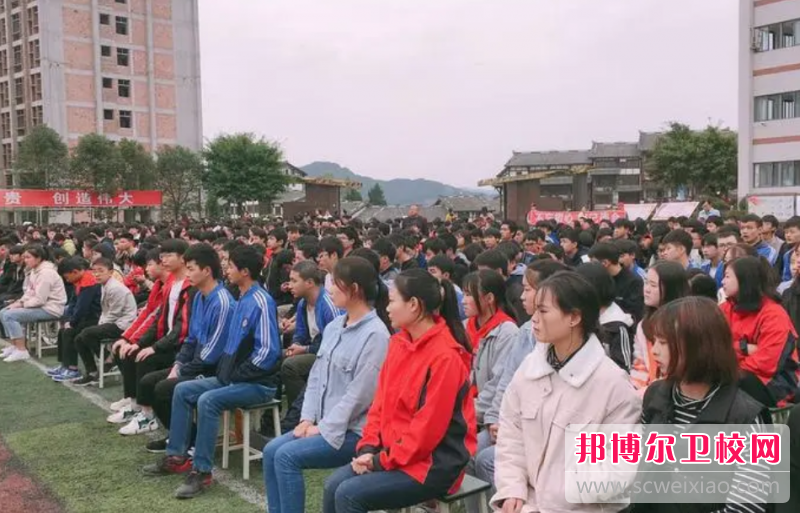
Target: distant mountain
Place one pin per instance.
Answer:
(400, 191)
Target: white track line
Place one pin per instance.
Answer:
(246, 492)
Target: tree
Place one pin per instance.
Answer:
(703, 161)
(138, 173)
(178, 174)
(240, 168)
(42, 159)
(353, 195)
(96, 163)
(375, 196)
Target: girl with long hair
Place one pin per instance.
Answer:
(420, 430)
(339, 391)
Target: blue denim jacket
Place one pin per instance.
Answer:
(522, 348)
(344, 377)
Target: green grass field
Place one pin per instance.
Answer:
(63, 441)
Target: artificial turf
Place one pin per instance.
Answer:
(62, 439)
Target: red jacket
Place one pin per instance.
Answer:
(147, 316)
(770, 328)
(130, 281)
(422, 421)
(159, 335)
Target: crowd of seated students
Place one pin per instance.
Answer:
(408, 353)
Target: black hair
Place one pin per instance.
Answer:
(510, 249)
(755, 283)
(16, 249)
(574, 293)
(679, 238)
(384, 248)
(751, 218)
(444, 264)
(154, 255)
(126, 236)
(434, 297)
(569, 234)
(493, 259)
(247, 258)
(703, 285)
(259, 232)
(771, 219)
(555, 250)
(437, 246)
(710, 239)
(37, 251)
(310, 250)
(205, 257)
(731, 231)
(605, 251)
(104, 262)
(140, 258)
(308, 270)
(331, 245)
(543, 268)
(59, 254)
(673, 283)
(471, 251)
(596, 274)
(367, 254)
(625, 246)
(71, 264)
(604, 232)
(351, 233)
(492, 232)
(535, 235)
(177, 246)
(481, 283)
(355, 271)
(792, 222)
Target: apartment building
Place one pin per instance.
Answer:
(123, 68)
(769, 92)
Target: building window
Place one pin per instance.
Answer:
(123, 57)
(125, 119)
(122, 1)
(8, 154)
(776, 36)
(3, 34)
(3, 63)
(34, 53)
(122, 25)
(37, 115)
(36, 87)
(5, 124)
(777, 174)
(108, 114)
(5, 98)
(19, 90)
(124, 88)
(33, 20)
(105, 51)
(777, 106)
(108, 83)
(17, 58)
(16, 27)
(21, 123)
(14, 4)
(105, 19)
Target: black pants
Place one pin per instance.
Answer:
(294, 374)
(87, 343)
(67, 353)
(155, 390)
(133, 371)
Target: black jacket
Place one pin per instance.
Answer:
(12, 279)
(629, 293)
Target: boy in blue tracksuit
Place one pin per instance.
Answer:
(247, 374)
(209, 322)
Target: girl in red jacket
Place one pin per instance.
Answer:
(763, 334)
(421, 428)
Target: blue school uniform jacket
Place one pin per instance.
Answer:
(209, 324)
(252, 353)
(324, 312)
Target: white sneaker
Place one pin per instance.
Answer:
(18, 355)
(139, 425)
(121, 404)
(123, 416)
(7, 351)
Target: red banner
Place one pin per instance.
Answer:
(36, 198)
(535, 216)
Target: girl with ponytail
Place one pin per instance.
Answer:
(420, 431)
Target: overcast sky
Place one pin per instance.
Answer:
(447, 89)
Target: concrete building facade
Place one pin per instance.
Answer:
(122, 68)
(769, 98)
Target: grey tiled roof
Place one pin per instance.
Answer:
(398, 212)
(469, 203)
(289, 196)
(549, 158)
(614, 150)
(647, 140)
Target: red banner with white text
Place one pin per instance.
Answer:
(535, 216)
(38, 198)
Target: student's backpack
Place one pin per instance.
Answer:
(617, 340)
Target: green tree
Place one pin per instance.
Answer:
(178, 173)
(703, 161)
(138, 174)
(375, 196)
(42, 159)
(353, 195)
(241, 167)
(96, 163)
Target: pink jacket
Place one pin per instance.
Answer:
(44, 288)
(538, 406)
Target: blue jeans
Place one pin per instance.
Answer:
(14, 319)
(211, 398)
(286, 457)
(347, 492)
